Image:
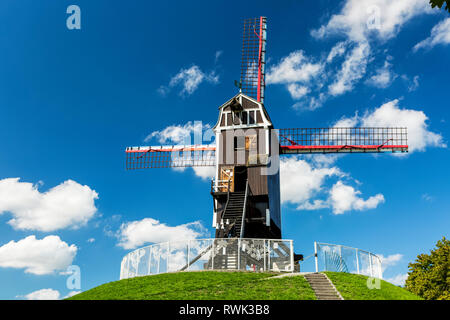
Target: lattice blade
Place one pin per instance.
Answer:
(253, 58)
(170, 156)
(337, 140)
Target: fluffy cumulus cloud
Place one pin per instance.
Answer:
(189, 80)
(345, 198)
(69, 204)
(304, 184)
(205, 173)
(358, 19)
(43, 294)
(296, 67)
(39, 257)
(137, 233)
(391, 115)
(301, 180)
(440, 34)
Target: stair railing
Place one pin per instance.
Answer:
(226, 204)
(245, 209)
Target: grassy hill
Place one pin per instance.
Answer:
(213, 285)
(354, 287)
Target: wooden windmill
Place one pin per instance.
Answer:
(246, 187)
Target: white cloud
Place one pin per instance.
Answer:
(69, 204)
(347, 122)
(180, 134)
(43, 294)
(440, 34)
(36, 256)
(383, 18)
(383, 77)
(390, 115)
(398, 280)
(337, 51)
(205, 173)
(362, 24)
(91, 240)
(352, 69)
(390, 260)
(296, 67)
(137, 233)
(345, 198)
(300, 181)
(411, 84)
(297, 91)
(189, 79)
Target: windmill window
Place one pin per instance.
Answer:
(229, 119)
(251, 117)
(236, 118)
(239, 143)
(244, 117)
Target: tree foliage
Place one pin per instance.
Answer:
(440, 3)
(429, 275)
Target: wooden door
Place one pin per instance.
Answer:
(226, 173)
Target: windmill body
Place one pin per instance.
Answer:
(246, 188)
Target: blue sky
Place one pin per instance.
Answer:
(71, 101)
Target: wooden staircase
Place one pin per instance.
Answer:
(233, 212)
(322, 286)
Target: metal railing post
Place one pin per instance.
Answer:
(264, 253)
(159, 260)
(243, 211)
(128, 266)
(357, 261)
(188, 254)
(212, 257)
(268, 254)
(370, 264)
(168, 256)
(239, 254)
(380, 270)
(292, 255)
(149, 260)
(315, 255)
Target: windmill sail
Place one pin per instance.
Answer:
(170, 156)
(338, 140)
(253, 58)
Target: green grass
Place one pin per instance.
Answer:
(206, 285)
(213, 285)
(354, 287)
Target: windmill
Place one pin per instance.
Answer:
(246, 187)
